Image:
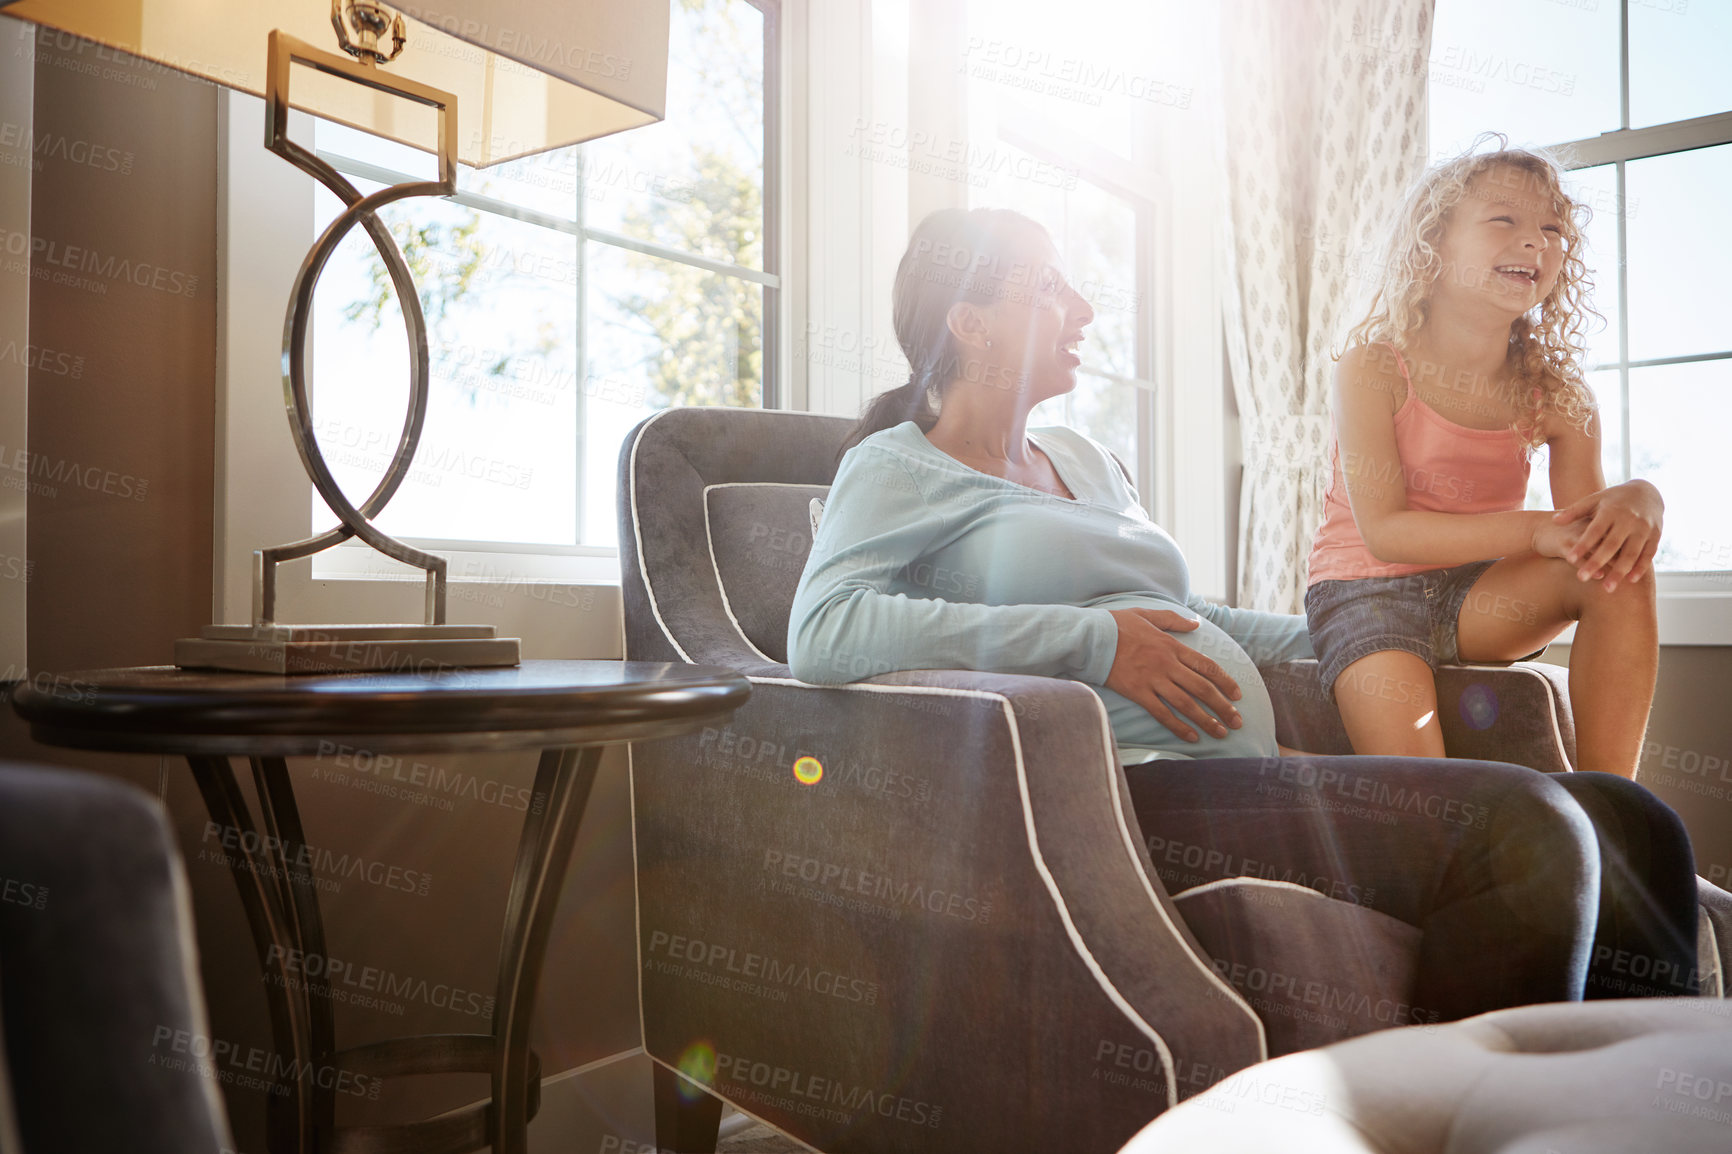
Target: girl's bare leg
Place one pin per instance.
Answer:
(1388, 703)
(1521, 603)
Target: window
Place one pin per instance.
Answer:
(568, 295)
(1067, 122)
(1636, 98)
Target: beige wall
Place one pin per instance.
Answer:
(122, 547)
(1687, 753)
(121, 553)
(17, 93)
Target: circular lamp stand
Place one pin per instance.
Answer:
(267, 646)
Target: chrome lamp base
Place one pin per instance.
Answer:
(345, 648)
(266, 646)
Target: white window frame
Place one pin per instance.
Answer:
(534, 560)
(265, 222)
(1695, 608)
(1181, 375)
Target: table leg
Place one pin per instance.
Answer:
(291, 1115)
(562, 785)
(299, 895)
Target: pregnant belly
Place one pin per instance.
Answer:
(1133, 726)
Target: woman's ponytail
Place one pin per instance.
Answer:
(910, 402)
(952, 256)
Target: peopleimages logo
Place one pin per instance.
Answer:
(50, 146)
(33, 470)
(305, 860)
(897, 893)
(763, 969)
(358, 984)
(252, 1066)
(844, 1099)
(52, 257)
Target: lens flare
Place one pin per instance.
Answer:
(808, 771)
(1479, 706)
(698, 1065)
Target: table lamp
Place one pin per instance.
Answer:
(477, 82)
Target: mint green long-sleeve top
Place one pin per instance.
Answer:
(920, 562)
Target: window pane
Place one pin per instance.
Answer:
(342, 140)
(1104, 409)
(660, 333)
(694, 181)
(1539, 495)
(545, 182)
(1604, 386)
(1679, 415)
(1540, 71)
(1090, 70)
(1678, 54)
(1608, 392)
(495, 461)
(1680, 242)
(1096, 234)
(613, 403)
(1598, 189)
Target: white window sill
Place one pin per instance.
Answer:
(476, 563)
(1694, 610)
(1696, 616)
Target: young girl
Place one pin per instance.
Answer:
(1468, 360)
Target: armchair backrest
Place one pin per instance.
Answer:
(715, 528)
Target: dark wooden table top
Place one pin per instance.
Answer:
(163, 709)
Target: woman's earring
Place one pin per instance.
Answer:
(989, 342)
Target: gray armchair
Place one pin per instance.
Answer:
(916, 912)
(106, 1040)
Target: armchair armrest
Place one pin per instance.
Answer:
(958, 905)
(1517, 713)
(101, 977)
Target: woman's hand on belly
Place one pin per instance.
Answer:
(1168, 678)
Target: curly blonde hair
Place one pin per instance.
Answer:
(1545, 350)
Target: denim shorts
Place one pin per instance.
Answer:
(1416, 613)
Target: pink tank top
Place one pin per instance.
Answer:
(1445, 467)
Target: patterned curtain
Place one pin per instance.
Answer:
(1324, 117)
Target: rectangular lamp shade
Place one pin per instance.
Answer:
(528, 75)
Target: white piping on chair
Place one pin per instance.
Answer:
(728, 606)
(1226, 989)
(1168, 1067)
(1077, 943)
(637, 534)
(1551, 697)
(765, 485)
(1271, 883)
(721, 587)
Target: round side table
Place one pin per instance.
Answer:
(567, 709)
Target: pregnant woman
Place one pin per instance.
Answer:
(956, 538)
